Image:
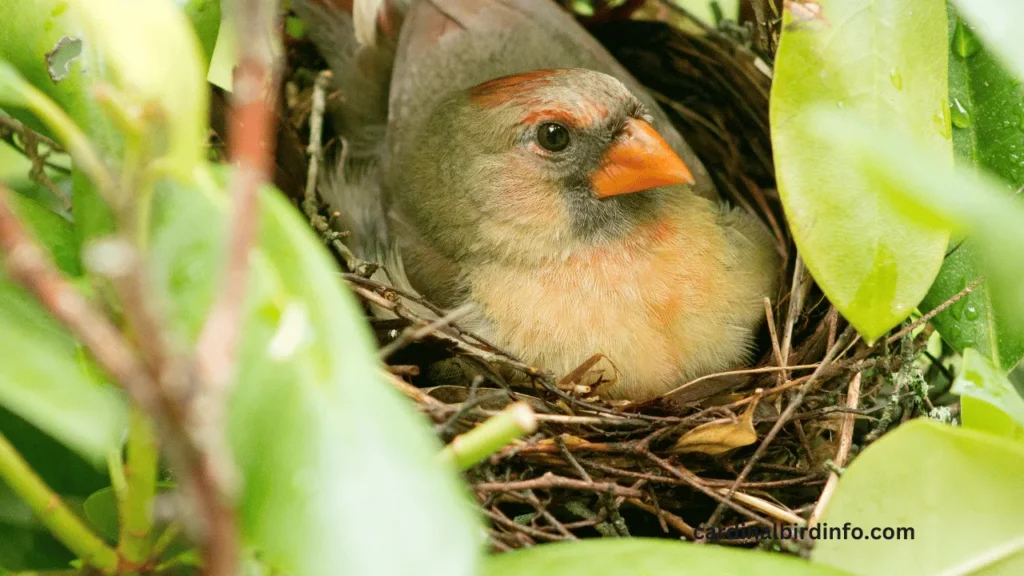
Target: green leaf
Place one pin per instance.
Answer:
(44, 41)
(958, 489)
(981, 319)
(44, 380)
(885, 60)
(987, 108)
(998, 23)
(981, 381)
(336, 468)
(646, 557)
(930, 193)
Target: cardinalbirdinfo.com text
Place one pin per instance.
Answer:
(794, 532)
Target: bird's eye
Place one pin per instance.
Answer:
(553, 137)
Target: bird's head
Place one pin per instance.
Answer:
(555, 156)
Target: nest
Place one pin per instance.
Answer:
(746, 448)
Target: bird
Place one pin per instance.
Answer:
(500, 161)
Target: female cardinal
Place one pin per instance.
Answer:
(518, 168)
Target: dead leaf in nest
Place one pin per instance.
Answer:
(721, 435)
(596, 374)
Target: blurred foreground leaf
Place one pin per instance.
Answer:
(940, 196)
(989, 401)
(643, 557)
(44, 378)
(336, 468)
(885, 60)
(944, 483)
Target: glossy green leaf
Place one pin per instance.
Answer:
(336, 469)
(958, 489)
(886, 61)
(928, 191)
(645, 557)
(987, 110)
(998, 23)
(981, 381)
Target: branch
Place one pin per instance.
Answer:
(29, 265)
(251, 147)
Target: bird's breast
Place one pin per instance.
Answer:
(647, 302)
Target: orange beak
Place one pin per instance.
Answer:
(639, 159)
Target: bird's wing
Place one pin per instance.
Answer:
(446, 45)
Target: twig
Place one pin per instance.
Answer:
(310, 201)
(934, 312)
(549, 481)
(768, 508)
(663, 515)
(796, 307)
(787, 414)
(53, 513)
(842, 453)
(29, 265)
(410, 335)
(251, 145)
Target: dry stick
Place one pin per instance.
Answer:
(696, 482)
(410, 335)
(842, 453)
(549, 481)
(770, 319)
(787, 414)
(310, 202)
(664, 515)
(773, 510)
(796, 306)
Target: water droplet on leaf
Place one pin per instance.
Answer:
(965, 43)
(896, 78)
(971, 312)
(959, 114)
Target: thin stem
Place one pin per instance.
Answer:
(53, 513)
(140, 472)
(494, 434)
